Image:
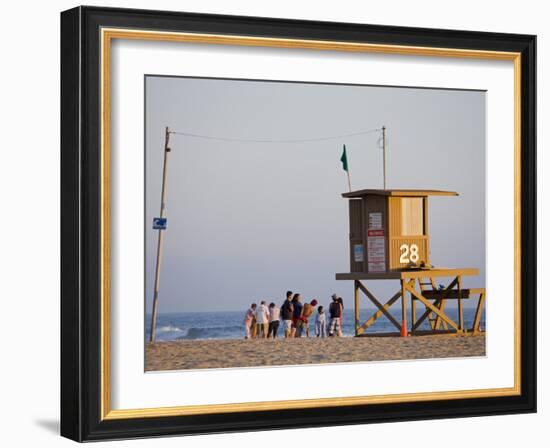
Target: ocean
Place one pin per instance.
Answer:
(229, 324)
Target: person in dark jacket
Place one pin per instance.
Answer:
(286, 314)
(296, 314)
(341, 302)
(335, 312)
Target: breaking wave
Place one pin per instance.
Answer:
(169, 329)
(213, 332)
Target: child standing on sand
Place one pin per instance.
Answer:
(320, 323)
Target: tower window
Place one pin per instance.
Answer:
(412, 216)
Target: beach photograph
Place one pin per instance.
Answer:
(295, 223)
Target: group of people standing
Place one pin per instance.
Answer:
(262, 321)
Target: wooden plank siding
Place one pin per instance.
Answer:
(426, 230)
(395, 251)
(408, 224)
(394, 215)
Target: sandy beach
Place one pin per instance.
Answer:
(207, 354)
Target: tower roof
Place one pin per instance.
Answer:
(398, 192)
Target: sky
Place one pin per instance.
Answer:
(248, 221)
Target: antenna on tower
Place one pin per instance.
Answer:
(384, 155)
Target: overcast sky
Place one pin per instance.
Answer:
(247, 221)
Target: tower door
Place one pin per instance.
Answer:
(357, 250)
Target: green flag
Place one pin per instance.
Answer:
(344, 160)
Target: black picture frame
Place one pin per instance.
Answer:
(81, 224)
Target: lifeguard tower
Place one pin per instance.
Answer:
(389, 239)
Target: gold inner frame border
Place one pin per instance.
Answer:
(107, 36)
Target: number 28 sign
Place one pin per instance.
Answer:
(409, 253)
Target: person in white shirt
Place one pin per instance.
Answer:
(320, 322)
(262, 320)
(248, 321)
(274, 316)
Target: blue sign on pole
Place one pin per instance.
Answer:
(159, 223)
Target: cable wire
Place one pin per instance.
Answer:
(267, 140)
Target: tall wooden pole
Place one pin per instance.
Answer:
(356, 291)
(161, 235)
(403, 309)
(384, 155)
(460, 311)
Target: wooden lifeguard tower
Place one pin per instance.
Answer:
(389, 239)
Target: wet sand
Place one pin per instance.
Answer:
(207, 354)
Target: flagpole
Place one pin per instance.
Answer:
(345, 165)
